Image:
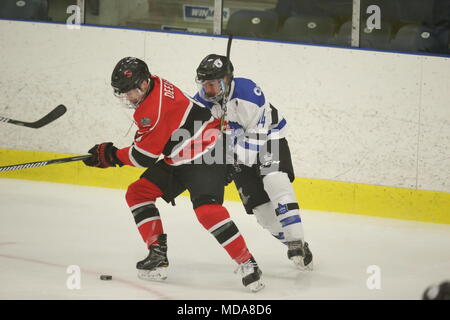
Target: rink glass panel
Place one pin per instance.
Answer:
(172, 15)
(392, 25)
(405, 25)
(36, 10)
(421, 26)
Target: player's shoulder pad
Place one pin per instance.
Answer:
(246, 89)
(203, 102)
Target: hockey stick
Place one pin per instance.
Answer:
(230, 39)
(50, 117)
(43, 163)
(225, 98)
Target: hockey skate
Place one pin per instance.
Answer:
(300, 254)
(251, 275)
(154, 267)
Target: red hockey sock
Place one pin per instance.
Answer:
(216, 219)
(141, 196)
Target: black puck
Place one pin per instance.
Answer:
(105, 277)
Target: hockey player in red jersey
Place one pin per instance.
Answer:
(163, 114)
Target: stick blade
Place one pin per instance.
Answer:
(50, 117)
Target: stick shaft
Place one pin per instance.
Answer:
(225, 98)
(230, 39)
(43, 163)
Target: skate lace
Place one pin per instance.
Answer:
(246, 268)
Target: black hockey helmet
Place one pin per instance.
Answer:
(214, 66)
(129, 74)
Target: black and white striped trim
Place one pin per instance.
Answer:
(199, 132)
(190, 131)
(139, 205)
(24, 166)
(141, 158)
(225, 232)
(145, 212)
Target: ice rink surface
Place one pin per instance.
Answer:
(45, 228)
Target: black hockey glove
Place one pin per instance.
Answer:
(232, 170)
(103, 156)
(229, 176)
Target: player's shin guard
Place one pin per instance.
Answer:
(265, 215)
(280, 191)
(282, 195)
(141, 196)
(216, 219)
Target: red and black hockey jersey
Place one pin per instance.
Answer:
(170, 124)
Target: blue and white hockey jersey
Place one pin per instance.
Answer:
(251, 120)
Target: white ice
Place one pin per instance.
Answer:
(47, 227)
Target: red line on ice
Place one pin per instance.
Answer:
(130, 283)
(6, 243)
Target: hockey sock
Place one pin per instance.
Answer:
(216, 219)
(282, 195)
(141, 196)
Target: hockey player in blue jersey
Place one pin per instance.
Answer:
(261, 166)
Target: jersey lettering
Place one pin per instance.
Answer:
(168, 90)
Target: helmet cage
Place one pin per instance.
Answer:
(133, 97)
(221, 86)
(214, 67)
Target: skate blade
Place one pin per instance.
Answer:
(158, 274)
(299, 263)
(256, 286)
